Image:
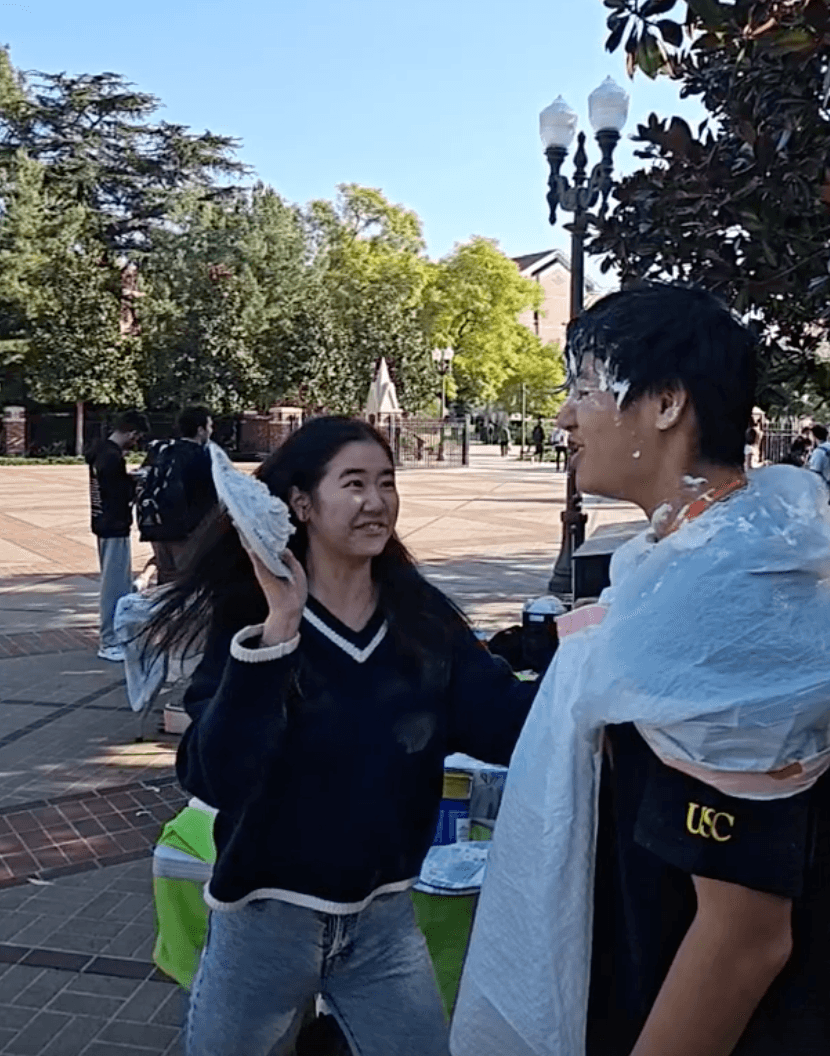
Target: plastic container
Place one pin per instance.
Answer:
(176, 719)
(454, 816)
(539, 635)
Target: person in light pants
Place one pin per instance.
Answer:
(111, 494)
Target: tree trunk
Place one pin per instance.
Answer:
(79, 427)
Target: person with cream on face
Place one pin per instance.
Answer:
(659, 881)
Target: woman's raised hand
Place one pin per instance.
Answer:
(286, 598)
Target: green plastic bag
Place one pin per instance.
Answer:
(446, 922)
(182, 864)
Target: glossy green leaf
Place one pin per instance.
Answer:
(672, 32)
(656, 7)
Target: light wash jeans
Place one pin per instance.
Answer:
(263, 964)
(116, 581)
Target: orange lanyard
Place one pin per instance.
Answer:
(701, 505)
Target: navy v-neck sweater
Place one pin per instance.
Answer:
(326, 764)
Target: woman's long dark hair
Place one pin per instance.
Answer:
(219, 589)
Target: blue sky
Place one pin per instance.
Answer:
(435, 102)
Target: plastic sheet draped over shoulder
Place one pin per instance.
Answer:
(725, 628)
(717, 640)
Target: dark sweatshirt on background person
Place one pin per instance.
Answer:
(111, 490)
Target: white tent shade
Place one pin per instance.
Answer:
(383, 397)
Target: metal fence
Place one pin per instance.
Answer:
(778, 438)
(423, 443)
(776, 444)
(429, 443)
(50, 433)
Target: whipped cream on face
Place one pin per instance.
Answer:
(661, 518)
(607, 378)
(609, 382)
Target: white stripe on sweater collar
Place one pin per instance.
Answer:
(358, 655)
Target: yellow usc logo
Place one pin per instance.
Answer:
(709, 824)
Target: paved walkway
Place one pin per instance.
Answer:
(81, 802)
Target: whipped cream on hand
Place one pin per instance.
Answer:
(262, 520)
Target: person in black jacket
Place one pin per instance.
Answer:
(538, 438)
(185, 496)
(111, 494)
(322, 713)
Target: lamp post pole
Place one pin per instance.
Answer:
(524, 417)
(442, 357)
(609, 110)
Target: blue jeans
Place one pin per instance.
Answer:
(263, 964)
(116, 581)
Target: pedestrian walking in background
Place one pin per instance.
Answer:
(538, 438)
(111, 494)
(322, 713)
(750, 449)
(177, 492)
(504, 440)
(760, 424)
(560, 446)
(819, 461)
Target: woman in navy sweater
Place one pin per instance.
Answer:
(322, 712)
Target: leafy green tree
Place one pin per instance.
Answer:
(740, 205)
(227, 296)
(96, 138)
(61, 300)
(75, 349)
(102, 161)
(371, 274)
(539, 374)
(22, 226)
(200, 312)
(475, 297)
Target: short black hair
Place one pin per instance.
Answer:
(191, 419)
(658, 335)
(132, 422)
(819, 432)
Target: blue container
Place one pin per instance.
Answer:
(454, 816)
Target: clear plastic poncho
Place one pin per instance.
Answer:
(716, 643)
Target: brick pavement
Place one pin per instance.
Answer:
(81, 803)
(38, 643)
(49, 838)
(76, 975)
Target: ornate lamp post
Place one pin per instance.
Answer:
(608, 109)
(442, 357)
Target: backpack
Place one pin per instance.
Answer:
(162, 509)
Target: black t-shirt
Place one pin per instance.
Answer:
(655, 834)
(111, 490)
